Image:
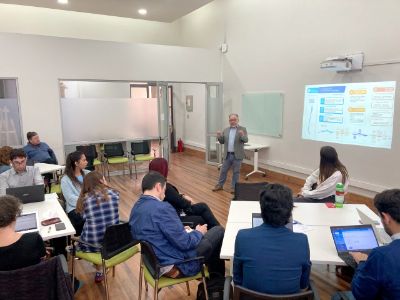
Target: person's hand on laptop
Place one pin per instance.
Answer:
(202, 228)
(358, 256)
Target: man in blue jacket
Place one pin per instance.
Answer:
(271, 258)
(156, 222)
(38, 151)
(378, 274)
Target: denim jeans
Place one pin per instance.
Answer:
(229, 162)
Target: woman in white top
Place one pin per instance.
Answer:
(320, 186)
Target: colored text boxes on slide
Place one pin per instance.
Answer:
(358, 92)
(383, 89)
(331, 118)
(356, 109)
(331, 109)
(332, 100)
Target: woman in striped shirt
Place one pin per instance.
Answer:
(98, 205)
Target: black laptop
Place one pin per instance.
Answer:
(27, 194)
(354, 238)
(256, 220)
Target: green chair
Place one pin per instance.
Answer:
(140, 152)
(117, 247)
(150, 271)
(114, 154)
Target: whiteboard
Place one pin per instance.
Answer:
(88, 120)
(263, 113)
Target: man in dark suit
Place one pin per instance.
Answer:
(271, 258)
(234, 137)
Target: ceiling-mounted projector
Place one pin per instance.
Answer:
(343, 63)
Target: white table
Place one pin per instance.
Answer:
(255, 148)
(50, 208)
(49, 168)
(316, 216)
(313, 214)
(248, 147)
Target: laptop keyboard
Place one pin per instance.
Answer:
(349, 260)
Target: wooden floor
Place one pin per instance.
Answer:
(193, 177)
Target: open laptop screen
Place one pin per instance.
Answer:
(354, 238)
(256, 220)
(26, 222)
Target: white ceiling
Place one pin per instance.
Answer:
(157, 10)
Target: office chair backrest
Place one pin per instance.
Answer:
(243, 293)
(90, 153)
(114, 149)
(150, 259)
(46, 280)
(140, 147)
(248, 191)
(117, 239)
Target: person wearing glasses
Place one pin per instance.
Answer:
(20, 174)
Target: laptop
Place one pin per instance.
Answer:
(383, 237)
(27, 194)
(27, 222)
(256, 220)
(354, 238)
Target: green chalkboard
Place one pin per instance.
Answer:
(263, 113)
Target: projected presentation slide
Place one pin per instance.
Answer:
(350, 113)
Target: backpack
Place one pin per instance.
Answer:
(215, 288)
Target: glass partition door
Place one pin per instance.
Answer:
(163, 119)
(214, 117)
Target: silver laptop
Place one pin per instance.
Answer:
(383, 237)
(27, 194)
(354, 238)
(27, 222)
(256, 220)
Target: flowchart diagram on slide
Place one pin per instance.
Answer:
(352, 113)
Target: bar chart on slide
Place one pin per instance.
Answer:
(350, 113)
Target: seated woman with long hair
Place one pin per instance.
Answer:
(71, 184)
(5, 152)
(320, 186)
(17, 250)
(188, 212)
(98, 206)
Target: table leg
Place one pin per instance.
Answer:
(255, 170)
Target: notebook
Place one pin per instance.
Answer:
(27, 222)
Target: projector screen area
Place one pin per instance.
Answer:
(350, 113)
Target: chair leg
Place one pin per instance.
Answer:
(188, 288)
(156, 290)
(73, 271)
(108, 171)
(113, 270)
(105, 279)
(134, 162)
(140, 281)
(146, 285)
(205, 287)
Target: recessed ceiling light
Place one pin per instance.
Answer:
(142, 11)
(62, 1)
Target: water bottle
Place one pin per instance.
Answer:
(339, 195)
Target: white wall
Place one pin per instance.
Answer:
(39, 62)
(190, 126)
(278, 45)
(61, 23)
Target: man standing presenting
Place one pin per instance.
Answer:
(233, 138)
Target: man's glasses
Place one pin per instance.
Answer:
(19, 162)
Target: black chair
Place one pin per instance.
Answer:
(46, 280)
(248, 191)
(91, 156)
(150, 271)
(241, 293)
(117, 247)
(140, 152)
(114, 154)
